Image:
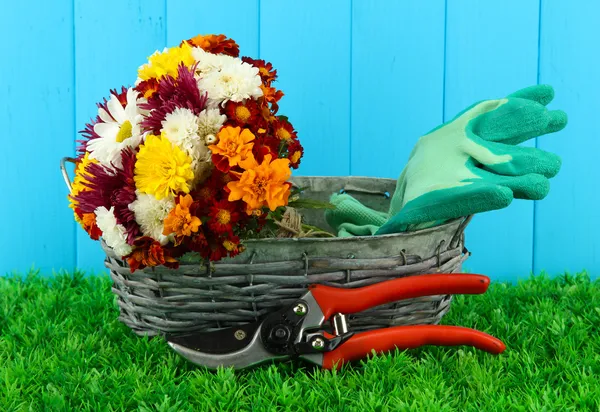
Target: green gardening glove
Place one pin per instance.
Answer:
(468, 165)
(471, 164)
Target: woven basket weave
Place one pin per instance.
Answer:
(272, 273)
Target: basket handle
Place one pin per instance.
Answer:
(356, 189)
(461, 228)
(63, 169)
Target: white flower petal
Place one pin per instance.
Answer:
(104, 116)
(107, 130)
(116, 109)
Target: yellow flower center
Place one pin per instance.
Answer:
(260, 186)
(263, 71)
(296, 156)
(223, 217)
(283, 134)
(229, 245)
(125, 131)
(242, 113)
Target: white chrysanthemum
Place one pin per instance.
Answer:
(150, 213)
(182, 128)
(113, 234)
(209, 62)
(235, 81)
(119, 128)
(210, 121)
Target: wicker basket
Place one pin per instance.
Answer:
(271, 273)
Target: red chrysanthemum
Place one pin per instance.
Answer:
(265, 70)
(223, 215)
(147, 88)
(283, 130)
(295, 153)
(180, 92)
(216, 44)
(242, 113)
(266, 145)
(148, 252)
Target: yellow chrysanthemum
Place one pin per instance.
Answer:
(79, 181)
(162, 168)
(166, 63)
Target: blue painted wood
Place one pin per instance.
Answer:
(187, 19)
(566, 222)
(113, 38)
(397, 81)
(491, 51)
(308, 43)
(36, 114)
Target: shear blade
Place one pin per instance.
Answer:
(224, 348)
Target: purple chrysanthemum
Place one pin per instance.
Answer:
(110, 188)
(180, 92)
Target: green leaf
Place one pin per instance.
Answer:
(311, 204)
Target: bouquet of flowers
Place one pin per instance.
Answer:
(194, 158)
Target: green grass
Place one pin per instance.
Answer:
(62, 348)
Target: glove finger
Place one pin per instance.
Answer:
(514, 122)
(350, 210)
(444, 204)
(541, 93)
(531, 186)
(349, 230)
(521, 160)
(558, 121)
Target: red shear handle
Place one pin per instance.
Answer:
(409, 337)
(338, 300)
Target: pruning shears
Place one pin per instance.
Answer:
(298, 331)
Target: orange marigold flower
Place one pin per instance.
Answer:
(149, 253)
(262, 184)
(216, 44)
(242, 113)
(88, 221)
(271, 94)
(180, 221)
(233, 147)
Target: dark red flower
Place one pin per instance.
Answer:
(283, 130)
(223, 215)
(295, 153)
(242, 113)
(180, 92)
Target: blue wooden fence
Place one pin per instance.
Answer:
(363, 79)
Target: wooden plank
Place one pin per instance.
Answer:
(567, 224)
(397, 81)
(36, 113)
(187, 19)
(113, 38)
(308, 43)
(491, 51)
